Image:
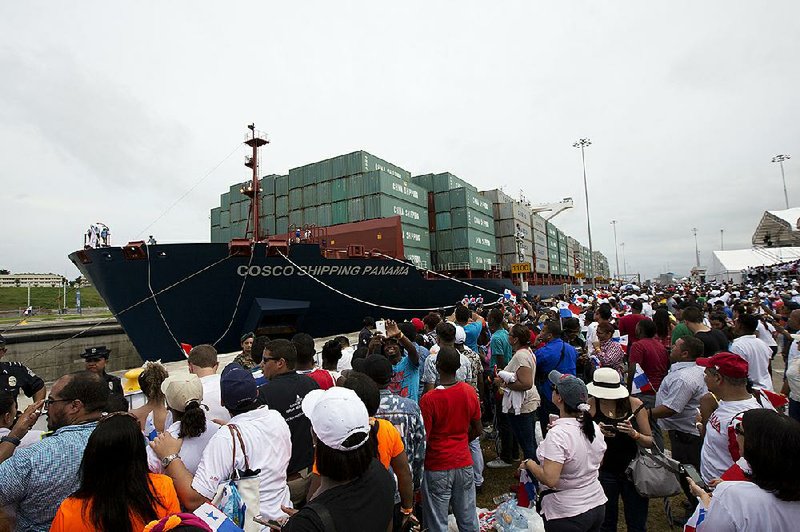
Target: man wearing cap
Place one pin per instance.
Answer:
(15, 376)
(95, 360)
(267, 446)
(245, 358)
(284, 393)
(726, 378)
(401, 412)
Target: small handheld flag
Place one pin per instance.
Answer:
(641, 384)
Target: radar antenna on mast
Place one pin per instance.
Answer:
(254, 139)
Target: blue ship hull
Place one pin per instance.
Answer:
(200, 294)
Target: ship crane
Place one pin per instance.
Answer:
(554, 208)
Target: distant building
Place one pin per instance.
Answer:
(666, 278)
(31, 279)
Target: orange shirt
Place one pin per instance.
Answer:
(73, 514)
(389, 443)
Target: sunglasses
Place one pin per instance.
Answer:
(49, 401)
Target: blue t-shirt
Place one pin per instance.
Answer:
(473, 330)
(405, 381)
(501, 348)
(547, 359)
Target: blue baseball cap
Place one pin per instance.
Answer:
(237, 387)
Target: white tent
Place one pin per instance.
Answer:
(732, 265)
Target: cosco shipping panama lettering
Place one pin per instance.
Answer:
(326, 245)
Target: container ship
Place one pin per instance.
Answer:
(331, 242)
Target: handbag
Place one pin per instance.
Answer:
(654, 474)
(238, 497)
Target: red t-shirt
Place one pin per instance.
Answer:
(322, 377)
(447, 413)
(627, 325)
(653, 357)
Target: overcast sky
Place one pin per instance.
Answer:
(110, 111)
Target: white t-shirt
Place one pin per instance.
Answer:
(211, 398)
(758, 356)
(579, 487)
(744, 507)
(191, 449)
(268, 445)
(765, 334)
(720, 439)
(346, 362)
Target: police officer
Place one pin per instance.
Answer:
(96, 359)
(15, 377)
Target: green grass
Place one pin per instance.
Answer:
(15, 298)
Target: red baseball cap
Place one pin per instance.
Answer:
(727, 364)
(418, 324)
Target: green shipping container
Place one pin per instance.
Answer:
(441, 202)
(552, 243)
(225, 234)
(433, 240)
(444, 258)
(443, 221)
(310, 216)
(424, 181)
(268, 205)
(466, 217)
(462, 197)
(282, 206)
(339, 213)
(324, 193)
(235, 192)
(552, 256)
(447, 181)
(555, 268)
(339, 189)
(225, 219)
(474, 240)
(295, 199)
(267, 225)
(215, 216)
(355, 209)
(552, 232)
(420, 257)
(477, 260)
(310, 196)
(225, 200)
(444, 240)
(324, 215)
(380, 182)
(295, 178)
(355, 186)
(416, 237)
(268, 184)
(295, 219)
(282, 185)
(282, 225)
(380, 206)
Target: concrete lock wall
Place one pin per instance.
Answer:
(34, 344)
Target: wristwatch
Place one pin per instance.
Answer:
(167, 460)
(11, 439)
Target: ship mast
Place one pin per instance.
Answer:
(255, 140)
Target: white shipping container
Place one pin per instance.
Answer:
(508, 244)
(540, 238)
(512, 211)
(509, 228)
(540, 250)
(507, 259)
(542, 266)
(538, 223)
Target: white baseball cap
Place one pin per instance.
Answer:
(461, 335)
(338, 417)
(182, 390)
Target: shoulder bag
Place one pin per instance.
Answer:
(654, 474)
(238, 497)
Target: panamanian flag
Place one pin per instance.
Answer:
(215, 519)
(641, 383)
(696, 519)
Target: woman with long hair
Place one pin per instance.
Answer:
(153, 416)
(664, 326)
(520, 398)
(770, 444)
(570, 457)
(624, 424)
(117, 492)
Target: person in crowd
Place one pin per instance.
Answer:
(678, 400)
(653, 358)
(306, 352)
(664, 326)
(472, 322)
(452, 417)
(445, 337)
(624, 424)
(726, 379)
(602, 315)
(569, 461)
(95, 360)
(520, 397)
(607, 351)
(153, 416)
(203, 362)
(184, 397)
(500, 352)
(117, 492)
(770, 444)
(331, 354)
(387, 443)
(476, 381)
(401, 412)
(629, 322)
(499, 344)
(8, 416)
(36, 480)
(245, 358)
(681, 329)
(15, 376)
(713, 340)
(355, 487)
(719, 321)
(555, 354)
(346, 362)
(402, 352)
(430, 321)
(284, 393)
(757, 353)
(365, 334)
(265, 440)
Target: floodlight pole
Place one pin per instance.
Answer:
(583, 144)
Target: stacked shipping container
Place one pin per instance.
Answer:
(510, 217)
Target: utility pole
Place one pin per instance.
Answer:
(583, 144)
(624, 262)
(616, 248)
(779, 159)
(722, 239)
(696, 248)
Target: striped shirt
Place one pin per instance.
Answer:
(681, 391)
(37, 479)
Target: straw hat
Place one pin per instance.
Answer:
(607, 385)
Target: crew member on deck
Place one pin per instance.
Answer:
(15, 376)
(96, 359)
